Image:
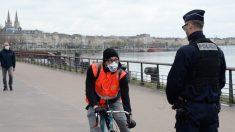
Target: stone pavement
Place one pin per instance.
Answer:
(48, 100)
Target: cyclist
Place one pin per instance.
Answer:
(107, 84)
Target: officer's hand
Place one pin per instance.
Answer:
(130, 122)
(101, 110)
(218, 107)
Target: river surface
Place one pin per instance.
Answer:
(168, 57)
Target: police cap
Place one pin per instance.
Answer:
(194, 15)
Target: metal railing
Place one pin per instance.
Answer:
(136, 70)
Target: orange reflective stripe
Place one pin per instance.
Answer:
(123, 73)
(107, 85)
(102, 102)
(94, 69)
(86, 99)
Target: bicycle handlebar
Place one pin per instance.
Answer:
(118, 111)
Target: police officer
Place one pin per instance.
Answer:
(196, 78)
(107, 84)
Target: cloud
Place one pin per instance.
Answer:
(119, 17)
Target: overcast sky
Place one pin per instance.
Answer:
(159, 18)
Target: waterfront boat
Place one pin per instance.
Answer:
(154, 49)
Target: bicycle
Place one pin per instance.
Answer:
(107, 123)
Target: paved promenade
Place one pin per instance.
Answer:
(48, 100)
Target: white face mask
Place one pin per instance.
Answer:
(7, 47)
(113, 67)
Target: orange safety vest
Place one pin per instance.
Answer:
(106, 84)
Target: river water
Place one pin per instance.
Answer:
(168, 57)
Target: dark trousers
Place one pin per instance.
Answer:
(4, 76)
(198, 117)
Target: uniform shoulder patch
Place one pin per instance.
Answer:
(207, 46)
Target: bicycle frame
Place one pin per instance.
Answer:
(103, 124)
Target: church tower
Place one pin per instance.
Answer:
(17, 23)
(8, 23)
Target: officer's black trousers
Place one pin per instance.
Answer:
(197, 117)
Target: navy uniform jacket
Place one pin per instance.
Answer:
(185, 57)
(7, 58)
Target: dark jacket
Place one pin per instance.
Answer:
(7, 58)
(185, 59)
(93, 98)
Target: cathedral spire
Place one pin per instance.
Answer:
(8, 17)
(16, 24)
(8, 22)
(16, 17)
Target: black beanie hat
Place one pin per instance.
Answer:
(108, 53)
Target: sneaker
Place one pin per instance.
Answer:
(4, 89)
(10, 88)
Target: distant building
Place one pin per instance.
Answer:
(11, 33)
(12, 28)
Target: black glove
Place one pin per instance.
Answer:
(218, 106)
(178, 104)
(101, 110)
(182, 115)
(130, 122)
